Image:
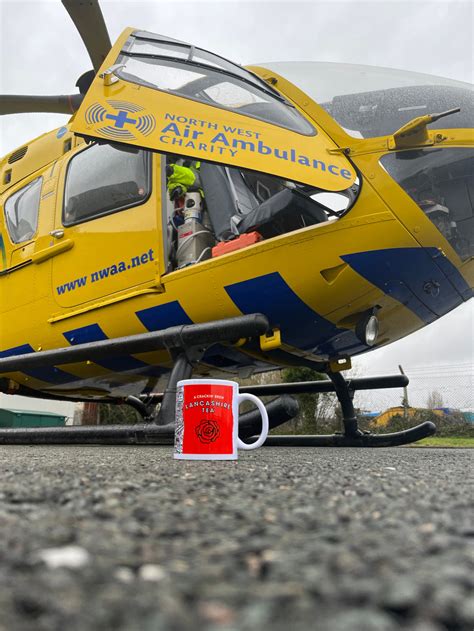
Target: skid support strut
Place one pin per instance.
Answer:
(345, 396)
(182, 369)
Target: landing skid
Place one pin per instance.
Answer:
(351, 436)
(366, 439)
(187, 345)
(279, 410)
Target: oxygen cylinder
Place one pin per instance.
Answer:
(195, 241)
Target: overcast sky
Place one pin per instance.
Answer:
(42, 53)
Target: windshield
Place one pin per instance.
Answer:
(368, 101)
(441, 182)
(163, 64)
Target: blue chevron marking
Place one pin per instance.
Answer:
(94, 333)
(163, 316)
(414, 277)
(300, 326)
(46, 373)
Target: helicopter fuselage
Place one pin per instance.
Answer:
(77, 281)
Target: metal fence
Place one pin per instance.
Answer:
(446, 385)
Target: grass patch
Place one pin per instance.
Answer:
(445, 441)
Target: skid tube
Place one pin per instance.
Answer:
(351, 436)
(366, 439)
(279, 411)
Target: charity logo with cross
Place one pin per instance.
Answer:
(121, 118)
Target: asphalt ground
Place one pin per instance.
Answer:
(126, 538)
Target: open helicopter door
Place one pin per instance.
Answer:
(158, 93)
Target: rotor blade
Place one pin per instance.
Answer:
(89, 21)
(18, 103)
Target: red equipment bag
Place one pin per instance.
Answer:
(236, 244)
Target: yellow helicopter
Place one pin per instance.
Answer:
(314, 228)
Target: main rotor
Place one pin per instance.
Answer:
(89, 21)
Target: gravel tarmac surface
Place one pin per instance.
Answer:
(125, 538)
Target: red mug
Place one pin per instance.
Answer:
(207, 420)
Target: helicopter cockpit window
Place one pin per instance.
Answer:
(104, 179)
(441, 182)
(21, 212)
(177, 67)
(368, 101)
(214, 209)
(384, 111)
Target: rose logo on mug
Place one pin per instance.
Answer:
(207, 420)
(207, 431)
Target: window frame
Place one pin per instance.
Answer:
(112, 211)
(237, 73)
(38, 179)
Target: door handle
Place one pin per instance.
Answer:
(47, 253)
(57, 234)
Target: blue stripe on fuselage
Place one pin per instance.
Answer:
(172, 314)
(94, 333)
(412, 277)
(453, 275)
(47, 374)
(300, 326)
(163, 316)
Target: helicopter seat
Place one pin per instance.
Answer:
(234, 209)
(223, 201)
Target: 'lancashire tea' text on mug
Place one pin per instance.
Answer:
(207, 420)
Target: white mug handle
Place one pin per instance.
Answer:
(263, 436)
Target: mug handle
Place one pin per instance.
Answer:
(263, 436)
